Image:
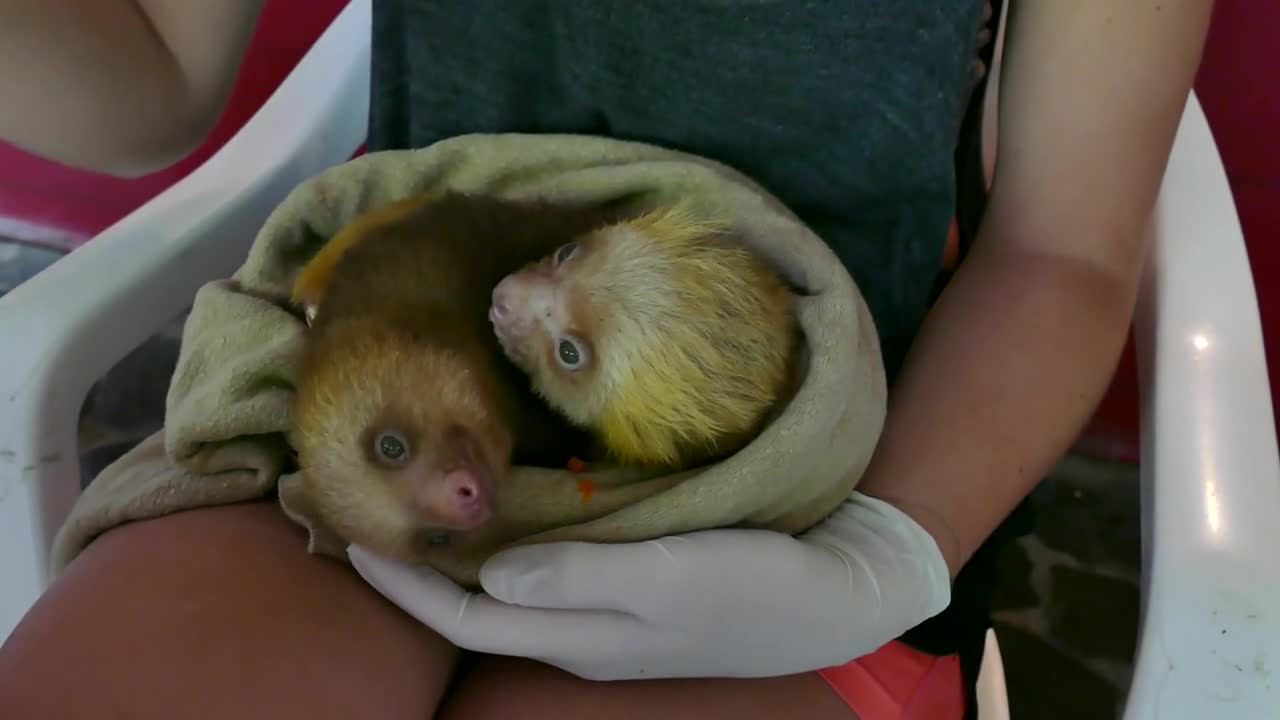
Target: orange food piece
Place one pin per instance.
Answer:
(586, 487)
(576, 465)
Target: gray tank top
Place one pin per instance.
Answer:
(847, 111)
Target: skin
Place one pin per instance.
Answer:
(181, 56)
(1091, 97)
(244, 623)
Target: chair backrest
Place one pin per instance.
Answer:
(74, 321)
(1241, 99)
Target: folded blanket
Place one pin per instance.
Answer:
(230, 403)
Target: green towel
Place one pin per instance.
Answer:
(230, 403)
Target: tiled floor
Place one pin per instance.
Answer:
(1067, 595)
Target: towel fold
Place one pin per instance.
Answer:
(230, 403)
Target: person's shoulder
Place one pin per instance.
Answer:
(140, 84)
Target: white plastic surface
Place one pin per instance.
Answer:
(1210, 630)
(993, 697)
(66, 327)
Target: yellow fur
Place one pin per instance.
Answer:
(696, 347)
(364, 370)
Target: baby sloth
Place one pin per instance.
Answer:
(407, 413)
(663, 334)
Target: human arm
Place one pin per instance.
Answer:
(1007, 369)
(1020, 346)
(124, 87)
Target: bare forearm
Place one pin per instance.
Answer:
(116, 85)
(1007, 369)
(1018, 351)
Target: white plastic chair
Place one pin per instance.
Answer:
(1210, 470)
(61, 330)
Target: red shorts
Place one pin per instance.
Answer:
(898, 682)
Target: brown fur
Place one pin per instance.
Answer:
(401, 341)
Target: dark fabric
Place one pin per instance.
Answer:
(847, 111)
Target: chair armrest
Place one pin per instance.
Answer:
(1210, 473)
(67, 326)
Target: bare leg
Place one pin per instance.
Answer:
(217, 613)
(501, 688)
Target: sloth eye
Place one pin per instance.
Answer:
(565, 252)
(391, 447)
(569, 354)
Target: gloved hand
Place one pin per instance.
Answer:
(715, 603)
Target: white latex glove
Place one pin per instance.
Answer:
(716, 603)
